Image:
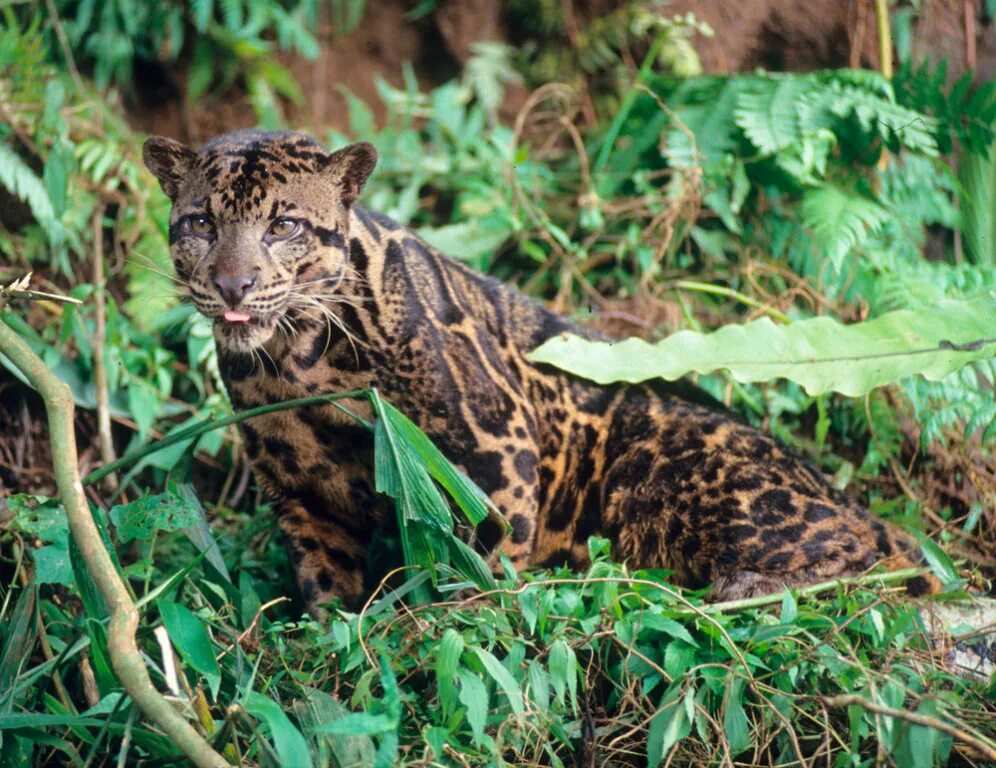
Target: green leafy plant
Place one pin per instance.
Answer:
(820, 354)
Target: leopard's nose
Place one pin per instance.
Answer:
(233, 288)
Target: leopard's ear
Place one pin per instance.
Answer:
(349, 169)
(170, 162)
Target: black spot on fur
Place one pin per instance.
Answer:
(882, 542)
(251, 436)
(325, 582)
(367, 220)
(816, 512)
(234, 366)
(778, 561)
(775, 500)
(522, 529)
(309, 591)
(691, 546)
(342, 558)
(284, 452)
(560, 557)
(525, 465)
(330, 238)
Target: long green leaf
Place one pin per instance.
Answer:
(503, 677)
(288, 742)
(447, 661)
(21, 635)
(474, 696)
(821, 354)
(470, 564)
(474, 502)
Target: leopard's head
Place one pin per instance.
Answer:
(259, 229)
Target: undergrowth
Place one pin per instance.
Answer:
(697, 201)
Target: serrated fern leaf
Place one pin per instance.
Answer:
(487, 70)
(868, 80)
(710, 124)
(821, 354)
(18, 178)
(840, 220)
(767, 113)
(889, 120)
(963, 400)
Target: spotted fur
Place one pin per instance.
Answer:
(352, 300)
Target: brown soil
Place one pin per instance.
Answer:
(786, 35)
(25, 455)
(778, 35)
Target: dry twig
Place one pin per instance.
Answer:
(985, 748)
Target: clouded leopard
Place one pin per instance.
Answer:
(311, 293)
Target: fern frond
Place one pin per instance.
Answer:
(889, 120)
(487, 71)
(712, 126)
(767, 113)
(867, 80)
(18, 178)
(957, 400)
(840, 220)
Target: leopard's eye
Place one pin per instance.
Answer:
(202, 226)
(281, 229)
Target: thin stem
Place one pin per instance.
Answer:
(889, 577)
(605, 151)
(884, 38)
(979, 743)
(721, 290)
(104, 436)
(212, 423)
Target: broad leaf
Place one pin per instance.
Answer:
(191, 641)
(821, 354)
(144, 517)
(736, 727)
(668, 726)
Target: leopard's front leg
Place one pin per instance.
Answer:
(518, 501)
(328, 558)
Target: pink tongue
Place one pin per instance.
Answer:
(231, 316)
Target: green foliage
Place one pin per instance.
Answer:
(559, 50)
(820, 354)
(513, 676)
(404, 462)
(113, 36)
(964, 115)
(788, 195)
